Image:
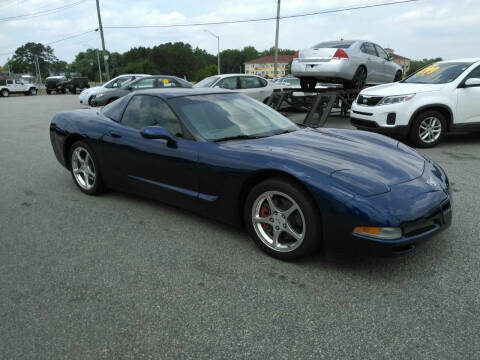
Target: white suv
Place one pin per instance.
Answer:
(87, 95)
(9, 86)
(439, 98)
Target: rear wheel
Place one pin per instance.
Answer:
(282, 219)
(5, 93)
(428, 129)
(359, 80)
(49, 92)
(308, 84)
(85, 169)
(398, 76)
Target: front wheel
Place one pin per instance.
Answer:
(33, 91)
(282, 219)
(85, 169)
(428, 129)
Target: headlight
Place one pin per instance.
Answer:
(384, 233)
(396, 99)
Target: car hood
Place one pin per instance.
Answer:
(362, 162)
(400, 88)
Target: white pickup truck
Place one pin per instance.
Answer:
(10, 86)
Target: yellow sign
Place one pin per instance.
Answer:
(166, 81)
(429, 70)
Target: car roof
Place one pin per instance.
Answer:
(169, 93)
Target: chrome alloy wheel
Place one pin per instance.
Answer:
(278, 221)
(430, 129)
(83, 168)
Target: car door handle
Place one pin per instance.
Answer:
(114, 134)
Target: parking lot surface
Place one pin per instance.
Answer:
(121, 277)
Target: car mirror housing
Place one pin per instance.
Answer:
(472, 82)
(158, 132)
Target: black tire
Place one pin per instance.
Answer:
(437, 121)
(358, 81)
(72, 90)
(97, 184)
(311, 218)
(64, 91)
(5, 93)
(308, 84)
(49, 92)
(33, 91)
(398, 76)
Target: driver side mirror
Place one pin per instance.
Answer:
(129, 88)
(472, 82)
(158, 132)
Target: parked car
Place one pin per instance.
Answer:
(11, 86)
(251, 85)
(437, 99)
(229, 157)
(353, 63)
(57, 84)
(78, 83)
(142, 83)
(87, 95)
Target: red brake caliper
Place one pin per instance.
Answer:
(265, 212)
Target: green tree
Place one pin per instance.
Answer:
(416, 65)
(140, 66)
(86, 64)
(207, 71)
(271, 51)
(24, 58)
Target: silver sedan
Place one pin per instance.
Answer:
(353, 63)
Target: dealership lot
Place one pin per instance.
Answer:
(118, 276)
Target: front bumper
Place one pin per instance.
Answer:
(422, 208)
(390, 120)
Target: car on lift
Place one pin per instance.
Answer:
(11, 86)
(353, 63)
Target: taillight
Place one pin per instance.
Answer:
(296, 55)
(340, 54)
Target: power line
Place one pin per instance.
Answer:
(263, 19)
(41, 13)
(57, 41)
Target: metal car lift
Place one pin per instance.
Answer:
(319, 102)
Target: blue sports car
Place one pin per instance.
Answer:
(229, 157)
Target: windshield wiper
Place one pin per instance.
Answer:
(237, 137)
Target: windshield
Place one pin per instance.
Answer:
(207, 82)
(438, 73)
(220, 116)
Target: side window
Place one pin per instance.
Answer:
(3, 82)
(368, 48)
(10, 82)
(475, 73)
(263, 82)
(144, 84)
(229, 83)
(167, 83)
(18, 82)
(381, 52)
(147, 110)
(249, 82)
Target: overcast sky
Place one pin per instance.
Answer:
(427, 28)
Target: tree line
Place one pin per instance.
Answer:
(178, 58)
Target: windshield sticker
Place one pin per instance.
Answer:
(429, 70)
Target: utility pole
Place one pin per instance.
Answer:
(99, 68)
(275, 65)
(100, 27)
(218, 48)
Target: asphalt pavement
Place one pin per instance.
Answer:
(122, 277)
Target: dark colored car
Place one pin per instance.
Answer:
(234, 159)
(57, 84)
(150, 82)
(78, 83)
